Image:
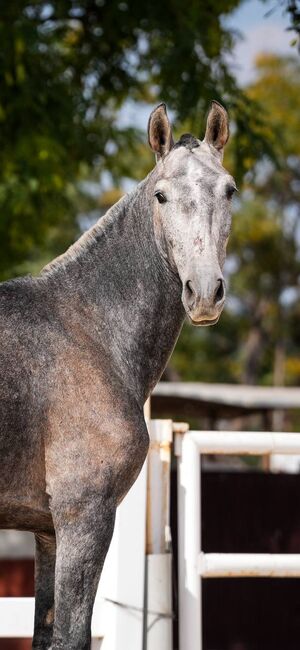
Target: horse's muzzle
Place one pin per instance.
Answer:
(204, 304)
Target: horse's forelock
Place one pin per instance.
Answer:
(188, 141)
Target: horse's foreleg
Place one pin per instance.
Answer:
(44, 591)
(82, 544)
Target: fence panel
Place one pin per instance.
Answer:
(193, 563)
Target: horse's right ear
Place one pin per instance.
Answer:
(159, 131)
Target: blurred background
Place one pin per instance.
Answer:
(78, 81)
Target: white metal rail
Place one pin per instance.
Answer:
(193, 563)
(247, 565)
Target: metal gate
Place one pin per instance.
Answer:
(195, 565)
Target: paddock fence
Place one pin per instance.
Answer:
(194, 564)
(133, 607)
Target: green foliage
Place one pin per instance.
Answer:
(67, 67)
(199, 356)
(292, 7)
(261, 323)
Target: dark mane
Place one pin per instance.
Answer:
(187, 140)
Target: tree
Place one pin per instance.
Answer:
(67, 68)
(293, 9)
(258, 333)
(274, 214)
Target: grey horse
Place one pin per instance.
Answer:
(82, 346)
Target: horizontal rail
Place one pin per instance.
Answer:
(248, 565)
(16, 617)
(17, 614)
(246, 442)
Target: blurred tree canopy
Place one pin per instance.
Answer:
(293, 9)
(68, 70)
(257, 338)
(67, 67)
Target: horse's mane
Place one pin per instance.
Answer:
(86, 239)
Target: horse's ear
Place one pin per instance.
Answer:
(159, 131)
(217, 127)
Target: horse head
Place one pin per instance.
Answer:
(192, 209)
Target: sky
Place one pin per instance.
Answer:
(260, 32)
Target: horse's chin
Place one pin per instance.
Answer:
(204, 322)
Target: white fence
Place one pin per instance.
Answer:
(122, 581)
(193, 563)
(133, 604)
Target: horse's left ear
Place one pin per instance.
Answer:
(159, 131)
(217, 127)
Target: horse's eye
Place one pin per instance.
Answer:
(230, 190)
(161, 197)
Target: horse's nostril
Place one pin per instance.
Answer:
(189, 294)
(189, 288)
(219, 295)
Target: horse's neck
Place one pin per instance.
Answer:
(131, 299)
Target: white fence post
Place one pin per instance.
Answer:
(158, 558)
(189, 523)
(122, 582)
